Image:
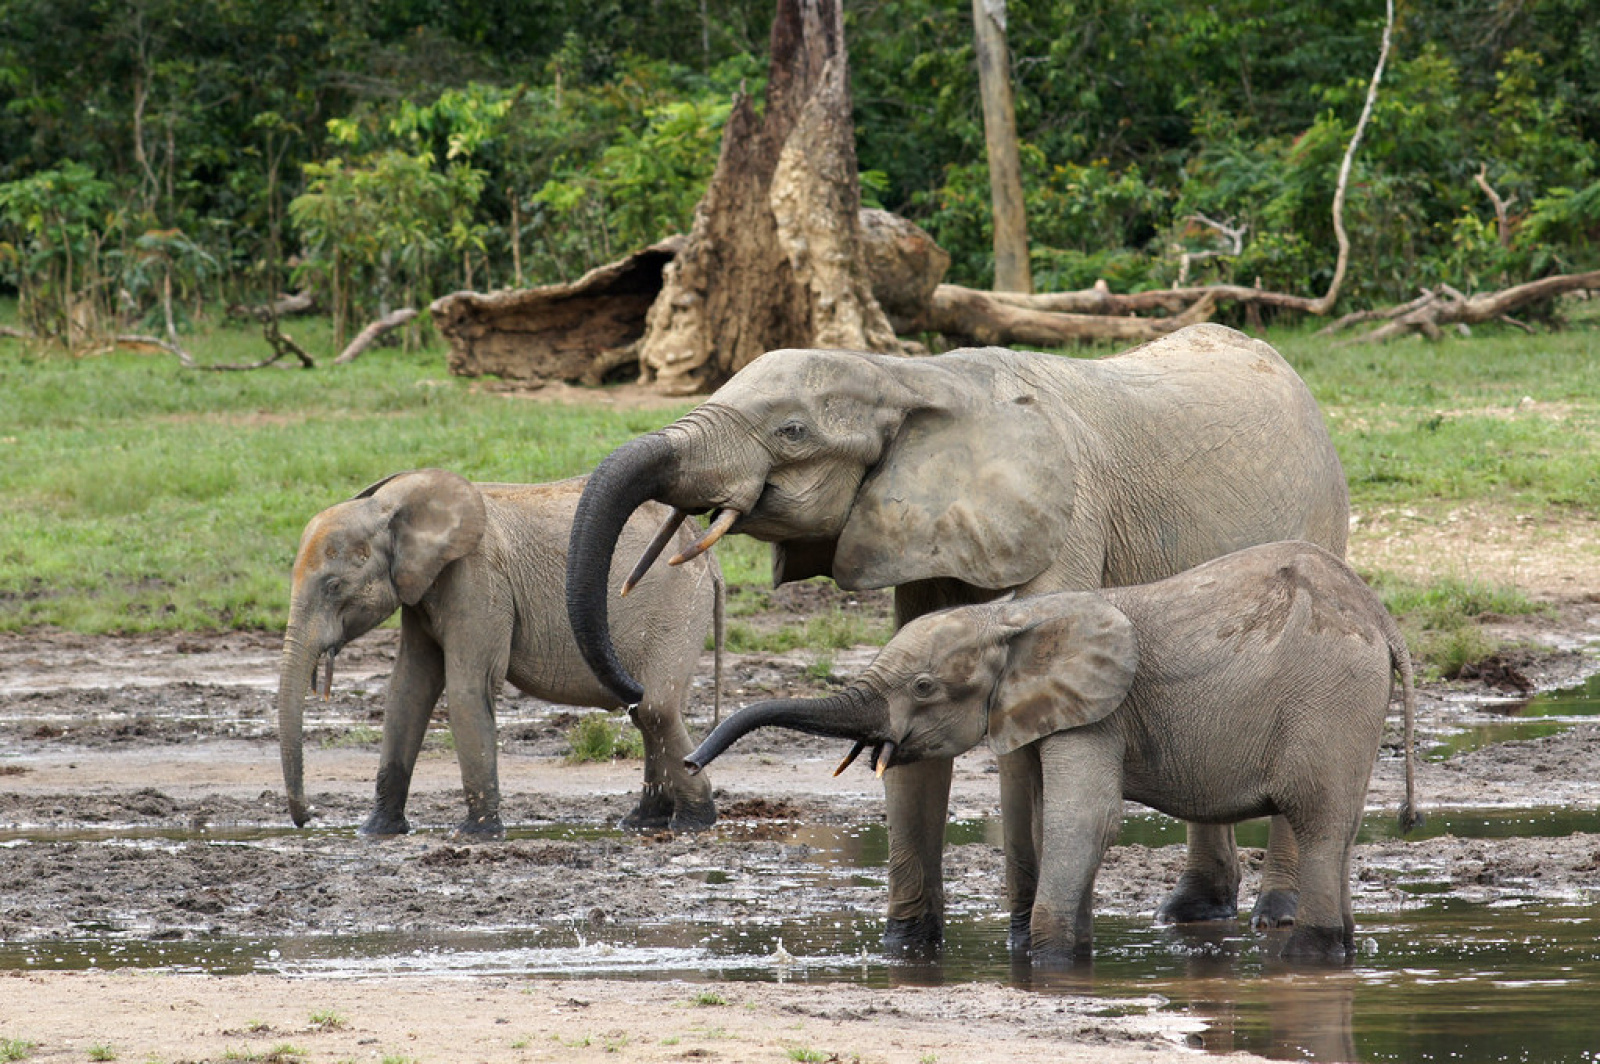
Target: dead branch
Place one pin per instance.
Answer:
(172, 347)
(282, 307)
(1450, 307)
(969, 314)
(11, 332)
(1502, 207)
(373, 333)
(1378, 313)
(1325, 304)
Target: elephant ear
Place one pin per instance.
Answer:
(983, 495)
(437, 517)
(1070, 661)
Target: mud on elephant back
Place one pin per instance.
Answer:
(1253, 685)
(477, 572)
(961, 477)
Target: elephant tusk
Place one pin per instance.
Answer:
(885, 758)
(669, 528)
(718, 529)
(850, 758)
(327, 677)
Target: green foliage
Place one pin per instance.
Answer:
(376, 234)
(101, 1051)
(597, 737)
(54, 229)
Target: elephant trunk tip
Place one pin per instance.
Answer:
(1411, 818)
(300, 813)
(692, 767)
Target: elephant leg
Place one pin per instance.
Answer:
(671, 798)
(413, 690)
(1081, 812)
(1280, 877)
(1208, 889)
(472, 686)
(917, 801)
(1020, 795)
(1326, 929)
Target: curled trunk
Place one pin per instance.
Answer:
(852, 714)
(633, 474)
(294, 678)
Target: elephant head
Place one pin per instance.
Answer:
(1010, 672)
(358, 562)
(872, 469)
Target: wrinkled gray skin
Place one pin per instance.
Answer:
(477, 571)
(959, 478)
(1253, 685)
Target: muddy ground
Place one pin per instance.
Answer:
(174, 734)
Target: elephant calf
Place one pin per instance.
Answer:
(478, 572)
(1253, 685)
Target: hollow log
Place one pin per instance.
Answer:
(556, 332)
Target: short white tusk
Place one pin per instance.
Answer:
(718, 529)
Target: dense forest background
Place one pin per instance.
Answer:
(160, 156)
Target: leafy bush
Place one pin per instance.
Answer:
(598, 737)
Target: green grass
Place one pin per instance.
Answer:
(16, 1048)
(1440, 620)
(598, 737)
(137, 495)
(100, 1051)
(1501, 420)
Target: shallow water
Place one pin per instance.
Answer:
(1440, 980)
(1527, 718)
(1445, 982)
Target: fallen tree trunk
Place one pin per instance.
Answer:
(1447, 306)
(967, 314)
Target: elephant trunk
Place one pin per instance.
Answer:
(854, 713)
(630, 476)
(295, 675)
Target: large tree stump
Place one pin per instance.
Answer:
(773, 258)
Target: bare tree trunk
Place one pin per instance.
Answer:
(1011, 269)
(773, 258)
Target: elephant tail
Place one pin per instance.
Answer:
(1411, 816)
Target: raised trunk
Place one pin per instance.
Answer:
(294, 678)
(851, 714)
(634, 473)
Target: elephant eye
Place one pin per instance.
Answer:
(791, 431)
(924, 687)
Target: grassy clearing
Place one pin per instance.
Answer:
(137, 495)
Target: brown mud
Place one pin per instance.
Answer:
(139, 777)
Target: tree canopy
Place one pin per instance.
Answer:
(401, 148)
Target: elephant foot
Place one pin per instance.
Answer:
(1020, 938)
(486, 828)
(694, 816)
(1320, 945)
(382, 823)
(913, 936)
(1274, 908)
(1194, 901)
(1058, 957)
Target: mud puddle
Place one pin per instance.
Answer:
(1489, 721)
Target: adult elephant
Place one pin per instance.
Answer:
(960, 478)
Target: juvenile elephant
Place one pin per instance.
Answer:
(1253, 685)
(959, 478)
(477, 572)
